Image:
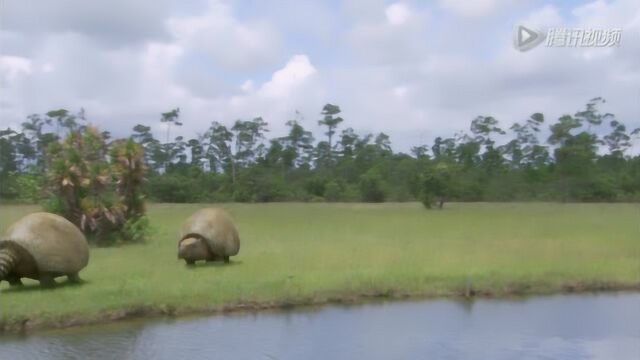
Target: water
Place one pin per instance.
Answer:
(604, 326)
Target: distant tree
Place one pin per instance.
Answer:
(153, 152)
(420, 152)
(196, 151)
(561, 131)
(467, 151)
(8, 163)
(579, 161)
(63, 120)
(525, 149)
(322, 155)
(171, 117)
(575, 154)
(483, 127)
(298, 144)
(618, 141)
(383, 144)
(348, 140)
(591, 115)
(176, 152)
(444, 148)
(219, 150)
(33, 129)
(372, 187)
(248, 140)
(142, 134)
(331, 121)
(437, 185)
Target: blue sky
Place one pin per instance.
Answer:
(412, 69)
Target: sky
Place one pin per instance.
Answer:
(412, 69)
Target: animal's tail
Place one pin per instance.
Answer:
(7, 261)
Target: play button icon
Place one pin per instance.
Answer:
(526, 39)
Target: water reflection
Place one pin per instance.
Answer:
(558, 327)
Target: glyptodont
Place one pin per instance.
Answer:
(209, 234)
(42, 246)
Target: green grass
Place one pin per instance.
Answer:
(310, 252)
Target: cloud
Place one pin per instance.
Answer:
(286, 80)
(477, 8)
(112, 23)
(411, 70)
(294, 86)
(231, 44)
(12, 67)
(397, 13)
(400, 39)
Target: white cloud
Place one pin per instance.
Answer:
(13, 66)
(400, 91)
(47, 68)
(112, 23)
(397, 13)
(475, 8)
(234, 45)
(286, 80)
(247, 86)
(545, 17)
(398, 68)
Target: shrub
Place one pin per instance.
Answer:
(29, 187)
(372, 187)
(436, 186)
(315, 186)
(136, 229)
(127, 158)
(333, 191)
(98, 196)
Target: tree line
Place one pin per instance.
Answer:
(584, 158)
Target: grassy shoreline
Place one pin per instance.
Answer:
(311, 254)
(28, 325)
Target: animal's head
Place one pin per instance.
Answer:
(192, 248)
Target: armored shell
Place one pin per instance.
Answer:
(56, 245)
(216, 227)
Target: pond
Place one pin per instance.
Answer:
(585, 326)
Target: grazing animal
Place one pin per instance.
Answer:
(209, 234)
(42, 246)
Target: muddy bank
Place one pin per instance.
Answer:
(26, 325)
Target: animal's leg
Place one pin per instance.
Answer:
(14, 280)
(190, 262)
(212, 257)
(226, 259)
(74, 278)
(46, 280)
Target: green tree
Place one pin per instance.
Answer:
(219, 149)
(437, 186)
(154, 154)
(8, 163)
(171, 118)
(63, 120)
(331, 121)
(618, 141)
(372, 186)
(298, 144)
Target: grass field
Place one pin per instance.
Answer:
(304, 253)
